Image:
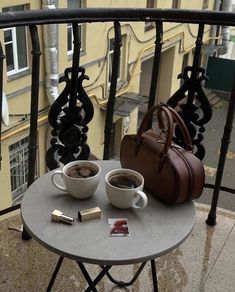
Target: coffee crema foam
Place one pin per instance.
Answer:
(81, 171)
(124, 181)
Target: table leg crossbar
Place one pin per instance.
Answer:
(122, 283)
(91, 283)
(105, 271)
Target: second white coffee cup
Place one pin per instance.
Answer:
(124, 189)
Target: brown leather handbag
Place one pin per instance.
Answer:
(172, 174)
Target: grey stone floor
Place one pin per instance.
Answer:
(203, 263)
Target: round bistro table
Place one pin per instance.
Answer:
(154, 231)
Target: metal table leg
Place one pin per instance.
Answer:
(105, 269)
(154, 275)
(55, 274)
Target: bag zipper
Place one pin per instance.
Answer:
(162, 141)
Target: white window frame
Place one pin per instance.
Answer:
(70, 31)
(81, 28)
(15, 50)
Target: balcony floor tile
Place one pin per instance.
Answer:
(204, 262)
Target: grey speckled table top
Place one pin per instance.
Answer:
(154, 231)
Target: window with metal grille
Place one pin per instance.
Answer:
(19, 168)
(74, 4)
(15, 41)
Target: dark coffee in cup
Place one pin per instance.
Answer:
(124, 181)
(82, 171)
(124, 189)
(80, 178)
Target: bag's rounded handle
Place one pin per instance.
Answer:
(181, 124)
(144, 124)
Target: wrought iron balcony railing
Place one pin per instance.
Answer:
(69, 120)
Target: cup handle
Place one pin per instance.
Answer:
(143, 200)
(57, 172)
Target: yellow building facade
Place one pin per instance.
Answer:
(96, 54)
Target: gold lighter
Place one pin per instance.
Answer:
(89, 214)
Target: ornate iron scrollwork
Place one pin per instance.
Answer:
(69, 122)
(194, 110)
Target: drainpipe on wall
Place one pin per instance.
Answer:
(226, 5)
(214, 29)
(5, 111)
(50, 39)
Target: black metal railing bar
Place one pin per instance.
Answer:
(34, 17)
(113, 87)
(36, 53)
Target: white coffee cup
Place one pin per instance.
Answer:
(80, 187)
(124, 189)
